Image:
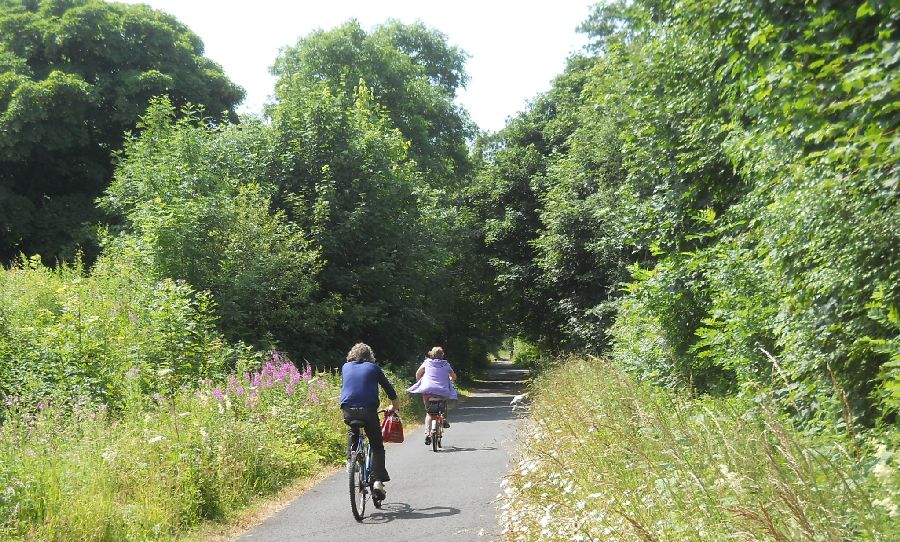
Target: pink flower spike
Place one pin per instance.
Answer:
(217, 393)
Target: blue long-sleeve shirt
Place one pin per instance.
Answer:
(359, 386)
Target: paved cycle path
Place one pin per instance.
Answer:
(448, 495)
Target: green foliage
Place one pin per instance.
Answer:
(530, 356)
(160, 467)
(74, 77)
(606, 457)
(372, 152)
(740, 160)
(73, 337)
(195, 212)
(411, 71)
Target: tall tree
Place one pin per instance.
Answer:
(413, 74)
(378, 157)
(74, 77)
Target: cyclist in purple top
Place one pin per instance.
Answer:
(360, 378)
(434, 378)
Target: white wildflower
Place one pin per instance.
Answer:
(888, 505)
(156, 439)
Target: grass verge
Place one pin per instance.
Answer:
(165, 466)
(605, 458)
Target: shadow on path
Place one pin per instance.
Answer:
(452, 449)
(482, 408)
(400, 510)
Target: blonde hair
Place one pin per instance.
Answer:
(436, 353)
(362, 352)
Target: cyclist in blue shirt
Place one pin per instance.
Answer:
(360, 378)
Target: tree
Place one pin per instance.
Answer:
(194, 211)
(75, 75)
(413, 73)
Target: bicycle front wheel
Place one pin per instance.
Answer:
(356, 468)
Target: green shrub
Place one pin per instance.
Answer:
(69, 335)
(529, 355)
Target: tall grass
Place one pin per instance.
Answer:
(163, 464)
(605, 458)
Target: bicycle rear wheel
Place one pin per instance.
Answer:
(356, 468)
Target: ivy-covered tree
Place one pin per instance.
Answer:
(75, 75)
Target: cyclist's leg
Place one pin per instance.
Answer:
(376, 443)
(350, 414)
(425, 397)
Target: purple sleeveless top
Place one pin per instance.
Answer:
(436, 379)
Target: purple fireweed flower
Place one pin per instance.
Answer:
(276, 357)
(217, 393)
(289, 389)
(314, 397)
(31, 453)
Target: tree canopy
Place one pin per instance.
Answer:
(715, 201)
(75, 75)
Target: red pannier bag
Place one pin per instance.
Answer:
(392, 428)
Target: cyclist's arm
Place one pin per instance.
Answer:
(420, 372)
(452, 375)
(388, 389)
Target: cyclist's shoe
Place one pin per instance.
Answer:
(446, 424)
(427, 440)
(378, 490)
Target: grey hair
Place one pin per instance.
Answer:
(362, 352)
(436, 353)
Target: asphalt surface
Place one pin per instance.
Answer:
(447, 495)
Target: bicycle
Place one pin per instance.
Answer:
(359, 465)
(437, 408)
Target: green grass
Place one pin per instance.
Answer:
(161, 467)
(605, 458)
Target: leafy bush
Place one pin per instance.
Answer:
(73, 337)
(195, 212)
